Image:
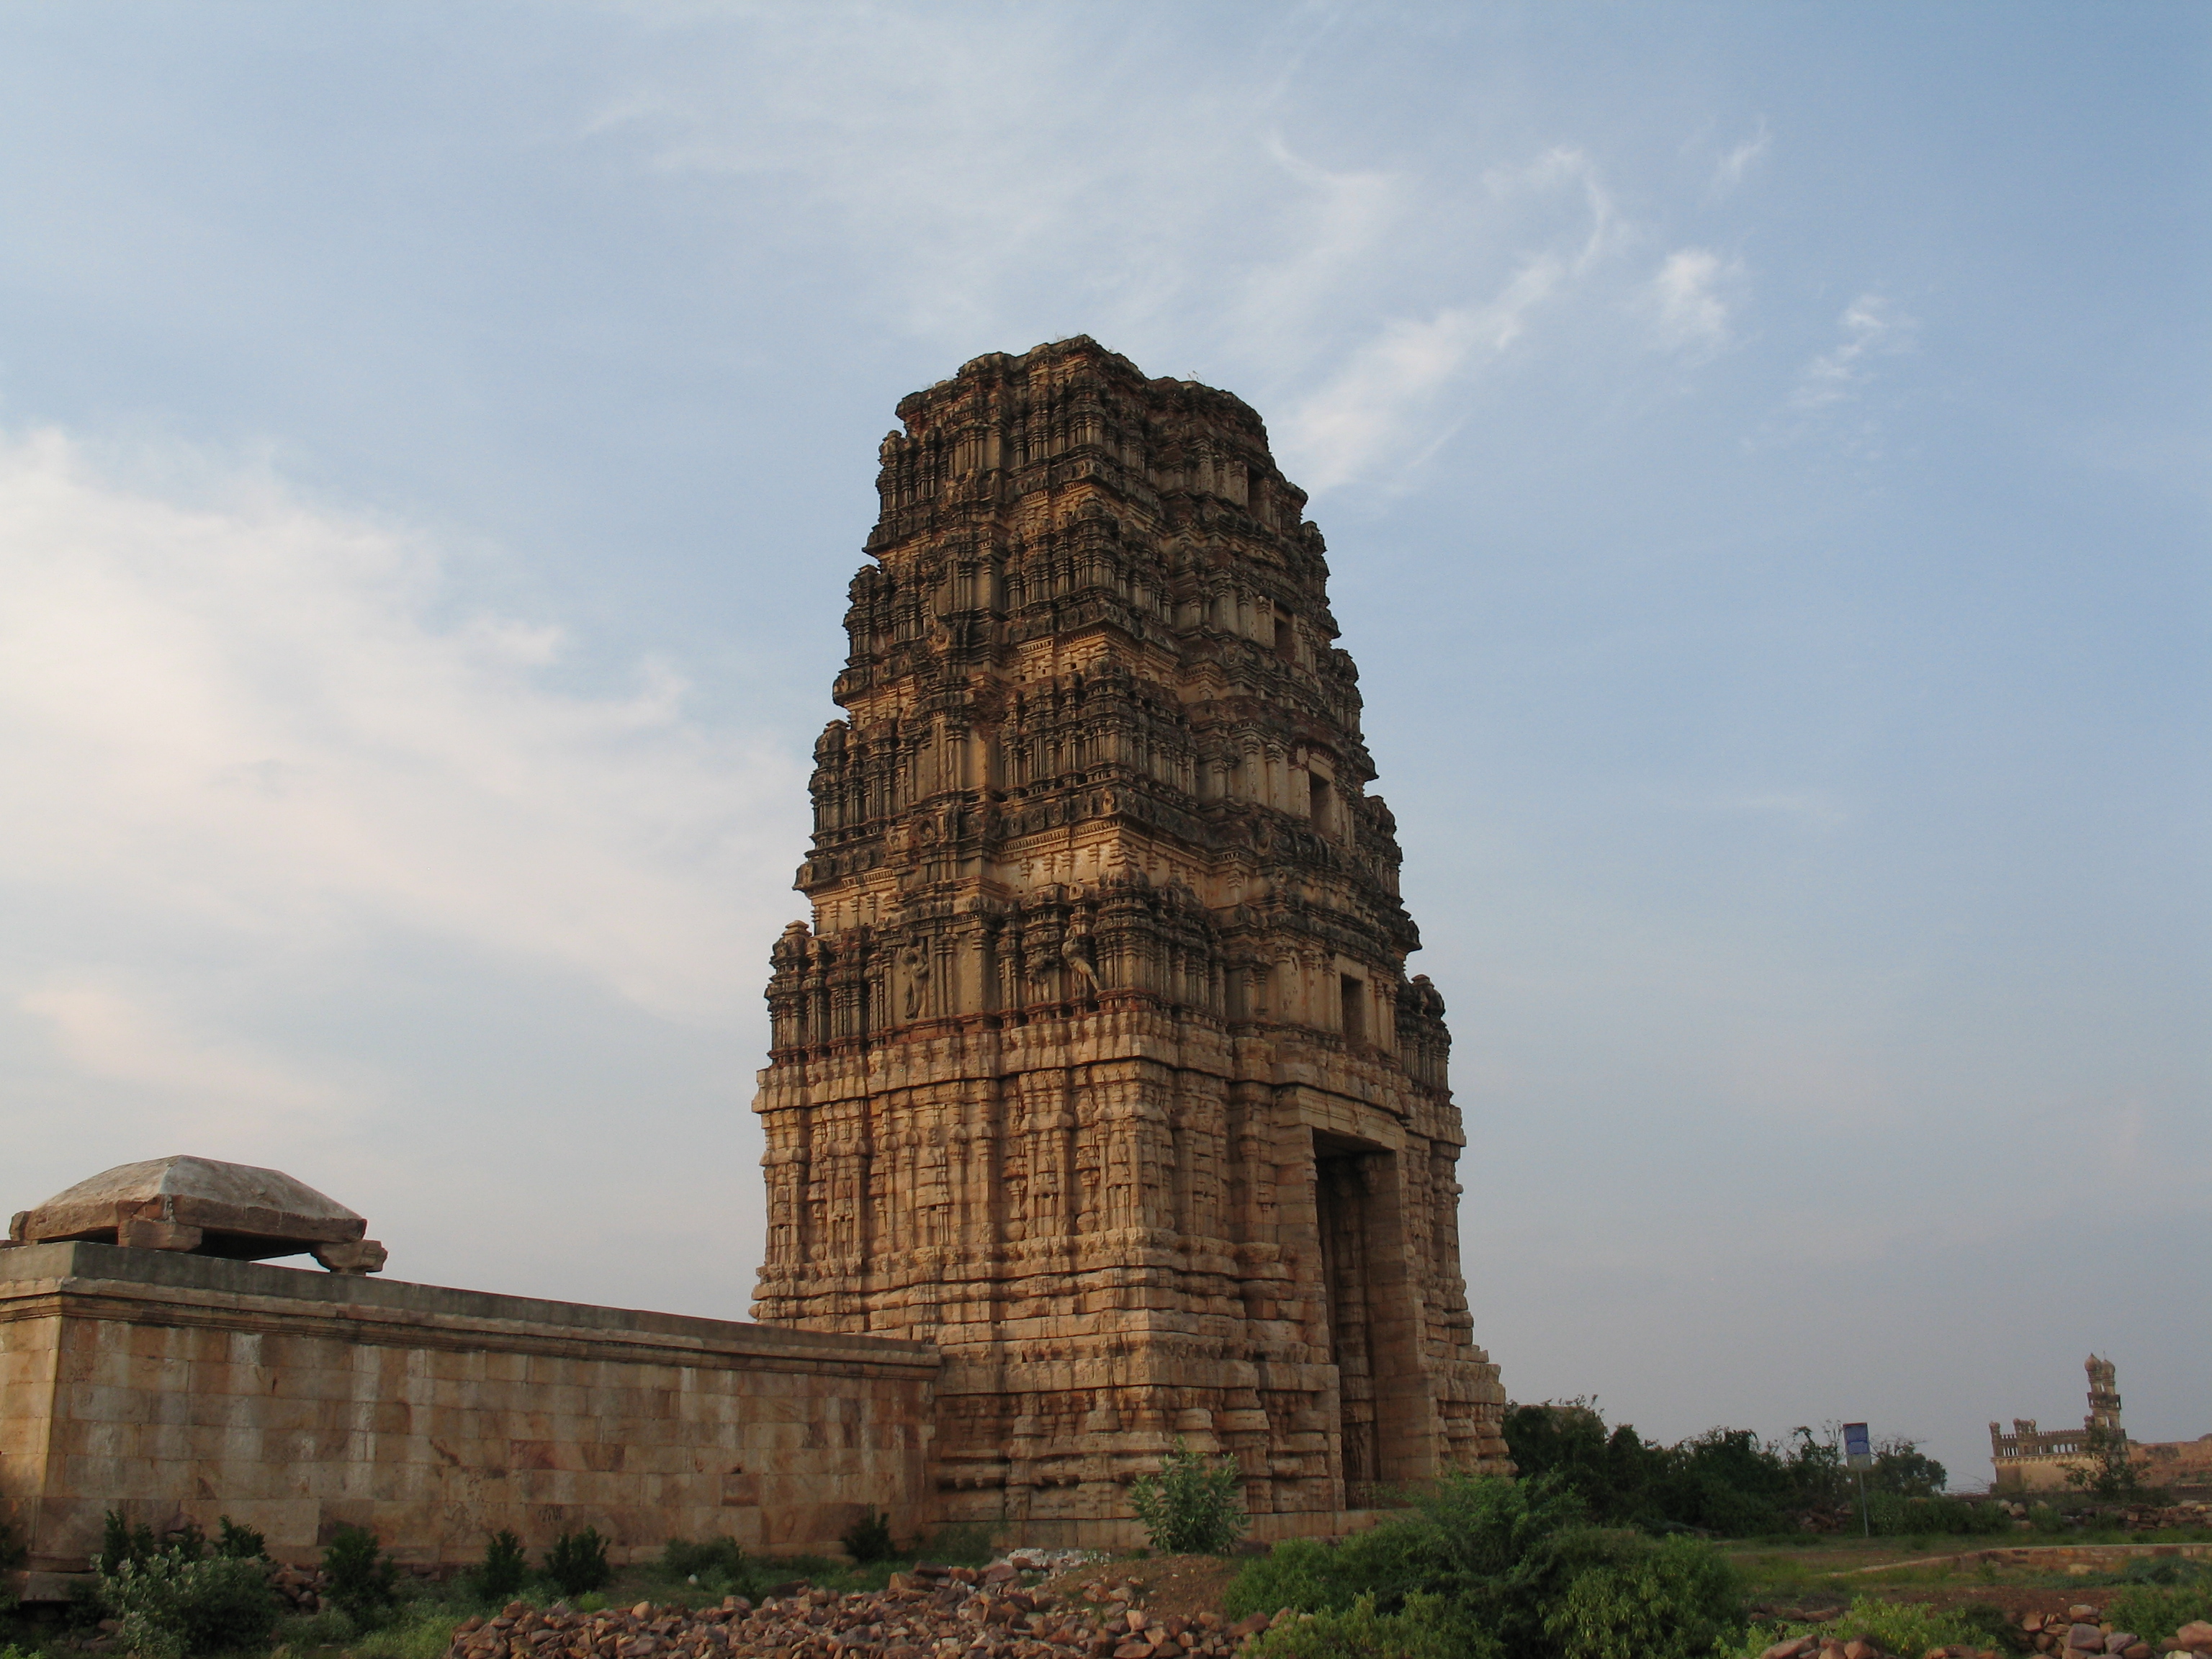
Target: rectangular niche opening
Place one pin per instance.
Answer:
(1353, 991)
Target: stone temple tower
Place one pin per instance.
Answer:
(1098, 1065)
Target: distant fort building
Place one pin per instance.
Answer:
(2030, 1458)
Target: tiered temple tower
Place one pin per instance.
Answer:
(1098, 1065)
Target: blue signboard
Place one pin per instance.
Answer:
(1858, 1449)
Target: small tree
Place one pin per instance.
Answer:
(869, 1539)
(1899, 1466)
(1189, 1508)
(2110, 1473)
(577, 1563)
(120, 1541)
(363, 1580)
(504, 1567)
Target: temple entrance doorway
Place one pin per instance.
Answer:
(1352, 1181)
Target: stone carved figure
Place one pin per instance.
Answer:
(915, 960)
(1094, 716)
(1082, 973)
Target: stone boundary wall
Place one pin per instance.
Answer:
(177, 1387)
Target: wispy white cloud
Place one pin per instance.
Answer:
(1688, 300)
(1871, 326)
(996, 188)
(234, 711)
(1728, 172)
(1383, 408)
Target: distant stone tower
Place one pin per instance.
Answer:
(2104, 1416)
(1099, 1066)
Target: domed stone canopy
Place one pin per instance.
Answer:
(206, 1207)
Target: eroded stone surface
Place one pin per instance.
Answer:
(207, 1207)
(175, 1388)
(1099, 1065)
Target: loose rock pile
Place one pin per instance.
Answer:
(2079, 1633)
(1831, 1647)
(302, 1588)
(932, 1612)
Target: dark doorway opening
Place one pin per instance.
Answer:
(1343, 1172)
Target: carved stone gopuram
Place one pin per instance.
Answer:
(1098, 1066)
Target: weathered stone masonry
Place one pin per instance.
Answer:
(178, 1386)
(1098, 1066)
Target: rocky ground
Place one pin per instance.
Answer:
(932, 1612)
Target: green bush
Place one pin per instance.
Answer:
(172, 1603)
(119, 1542)
(1906, 1628)
(1425, 1628)
(1190, 1507)
(363, 1580)
(1726, 1481)
(1894, 1515)
(577, 1563)
(236, 1543)
(869, 1539)
(709, 1558)
(2154, 1611)
(1517, 1562)
(1471, 1541)
(1670, 1600)
(425, 1631)
(504, 1568)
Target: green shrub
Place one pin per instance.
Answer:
(119, 1542)
(1478, 1543)
(1675, 1599)
(709, 1558)
(1904, 1627)
(1516, 1561)
(236, 1543)
(1894, 1515)
(425, 1631)
(1190, 1507)
(171, 1603)
(1425, 1628)
(363, 1580)
(869, 1539)
(504, 1567)
(577, 1563)
(2155, 1612)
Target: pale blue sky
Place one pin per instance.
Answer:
(1764, 454)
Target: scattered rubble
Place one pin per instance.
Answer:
(2081, 1631)
(1831, 1647)
(932, 1610)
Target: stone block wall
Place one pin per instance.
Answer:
(177, 1388)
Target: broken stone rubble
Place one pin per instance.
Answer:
(2080, 1632)
(929, 1611)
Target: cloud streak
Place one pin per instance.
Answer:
(1871, 326)
(240, 716)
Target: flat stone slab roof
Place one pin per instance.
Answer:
(200, 1205)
